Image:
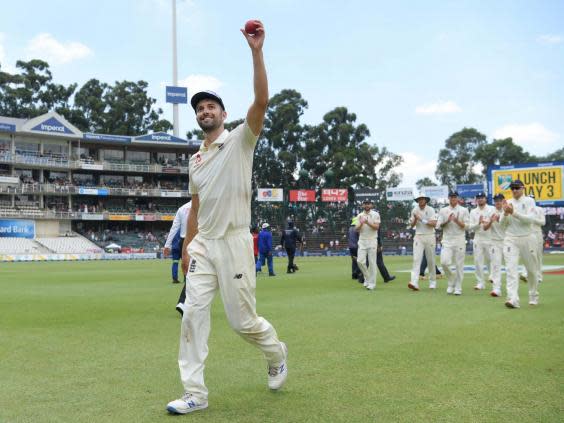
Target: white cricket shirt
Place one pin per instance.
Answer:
(519, 223)
(486, 213)
(453, 235)
(496, 229)
(221, 177)
(180, 222)
(421, 228)
(366, 233)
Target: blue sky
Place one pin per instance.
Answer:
(413, 71)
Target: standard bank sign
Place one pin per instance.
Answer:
(17, 228)
(52, 125)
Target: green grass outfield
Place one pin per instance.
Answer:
(98, 342)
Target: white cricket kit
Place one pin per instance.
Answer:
(180, 222)
(221, 256)
(519, 242)
(453, 245)
(367, 247)
(424, 243)
(536, 227)
(497, 235)
(482, 241)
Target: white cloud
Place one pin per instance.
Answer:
(3, 59)
(534, 137)
(439, 108)
(196, 83)
(45, 46)
(415, 167)
(550, 39)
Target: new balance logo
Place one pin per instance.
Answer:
(238, 276)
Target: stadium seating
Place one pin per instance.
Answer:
(19, 246)
(75, 244)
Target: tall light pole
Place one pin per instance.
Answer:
(174, 70)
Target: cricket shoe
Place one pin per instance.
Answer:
(432, 284)
(495, 293)
(186, 404)
(450, 290)
(277, 374)
(457, 292)
(511, 304)
(479, 286)
(534, 300)
(413, 285)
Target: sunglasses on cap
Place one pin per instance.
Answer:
(515, 188)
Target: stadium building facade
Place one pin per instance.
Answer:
(102, 186)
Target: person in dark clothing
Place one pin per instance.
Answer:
(380, 261)
(353, 248)
(265, 249)
(289, 238)
(424, 267)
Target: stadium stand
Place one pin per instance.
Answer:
(19, 246)
(74, 244)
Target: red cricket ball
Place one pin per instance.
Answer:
(251, 27)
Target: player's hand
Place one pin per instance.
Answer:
(166, 251)
(495, 218)
(481, 220)
(451, 218)
(508, 209)
(185, 262)
(256, 40)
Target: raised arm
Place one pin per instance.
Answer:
(255, 115)
(191, 231)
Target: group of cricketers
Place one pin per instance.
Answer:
(510, 231)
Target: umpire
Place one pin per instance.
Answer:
(290, 237)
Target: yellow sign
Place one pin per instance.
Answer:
(119, 217)
(545, 182)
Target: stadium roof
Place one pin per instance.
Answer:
(53, 124)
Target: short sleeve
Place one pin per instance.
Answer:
(192, 189)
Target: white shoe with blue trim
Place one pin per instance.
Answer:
(186, 404)
(277, 374)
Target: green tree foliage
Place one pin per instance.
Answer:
(424, 182)
(337, 155)
(123, 108)
(458, 159)
(500, 152)
(32, 92)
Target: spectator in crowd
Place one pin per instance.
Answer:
(265, 249)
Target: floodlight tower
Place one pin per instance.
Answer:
(174, 70)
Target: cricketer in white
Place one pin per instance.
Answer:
(218, 248)
(479, 217)
(453, 220)
(424, 218)
(519, 242)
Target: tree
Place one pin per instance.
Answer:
(558, 155)
(424, 182)
(336, 150)
(457, 160)
(32, 92)
(500, 152)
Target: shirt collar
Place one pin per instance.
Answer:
(219, 140)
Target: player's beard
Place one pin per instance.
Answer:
(210, 125)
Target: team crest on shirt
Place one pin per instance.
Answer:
(198, 158)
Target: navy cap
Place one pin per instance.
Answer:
(203, 95)
(453, 194)
(499, 197)
(481, 194)
(517, 183)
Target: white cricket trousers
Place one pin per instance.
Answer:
(453, 256)
(368, 249)
(496, 256)
(481, 259)
(226, 264)
(539, 243)
(525, 248)
(423, 244)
